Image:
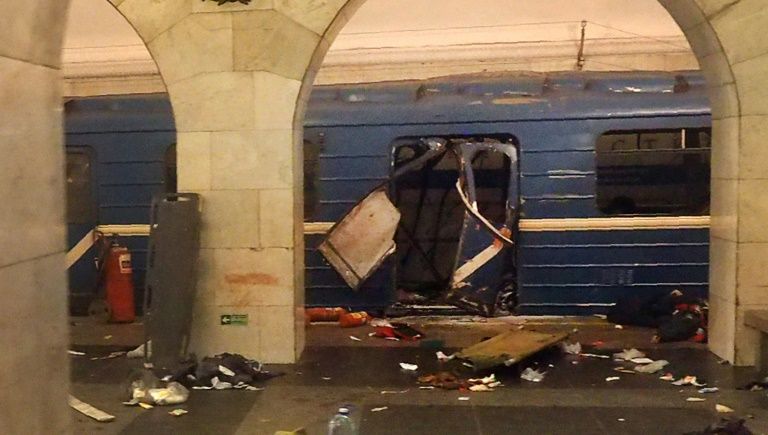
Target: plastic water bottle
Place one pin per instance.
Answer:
(342, 424)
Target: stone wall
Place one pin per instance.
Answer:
(33, 323)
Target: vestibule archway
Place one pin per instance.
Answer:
(239, 77)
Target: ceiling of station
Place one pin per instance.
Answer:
(419, 23)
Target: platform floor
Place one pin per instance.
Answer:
(335, 370)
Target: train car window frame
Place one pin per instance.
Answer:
(81, 205)
(653, 172)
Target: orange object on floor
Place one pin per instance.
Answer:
(119, 285)
(324, 314)
(349, 320)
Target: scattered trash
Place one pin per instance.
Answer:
(443, 357)
(89, 410)
(669, 377)
(726, 426)
(74, 352)
(695, 399)
(139, 352)
(145, 391)
(480, 388)
(426, 387)
(641, 360)
(629, 355)
(600, 316)
(409, 367)
(178, 412)
(689, 380)
(508, 348)
(466, 364)
(145, 405)
(353, 338)
(532, 375)
(378, 322)
(326, 378)
(708, 390)
(464, 398)
(394, 392)
(623, 370)
(653, 367)
(594, 355)
(612, 378)
(300, 431)
(572, 349)
(618, 326)
(107, 337)
(722, 409)
(621, 419)
(383, 408)
(444, 380)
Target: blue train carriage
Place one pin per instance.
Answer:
(601, 181)
(119, 152)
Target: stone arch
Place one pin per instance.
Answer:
(729, 63)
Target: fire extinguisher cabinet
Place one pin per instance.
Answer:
(174, 244)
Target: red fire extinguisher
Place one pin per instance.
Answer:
(118, 281)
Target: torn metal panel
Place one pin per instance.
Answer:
(476, 263)
(508, 348)
(363, 239)
(484, 267)
(360, 242)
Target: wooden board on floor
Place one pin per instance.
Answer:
(509, 348)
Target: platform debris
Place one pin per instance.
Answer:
(508, 348)
(89, 410)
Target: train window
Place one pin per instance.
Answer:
(311, 172)
(654, 172)
(169, 170)
(80, 199)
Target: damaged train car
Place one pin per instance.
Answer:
(533, 193)
(493, 193)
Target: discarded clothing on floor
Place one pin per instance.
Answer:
(223, 371)
(726, 426)
(400, 331)
(756, 385)
(677, 316)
